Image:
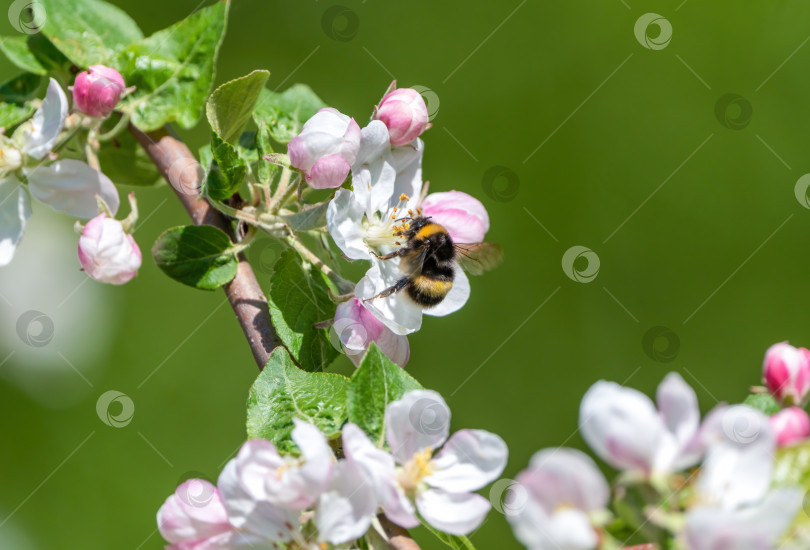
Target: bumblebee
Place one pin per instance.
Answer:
(429, 259)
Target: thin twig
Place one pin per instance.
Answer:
(244, 293)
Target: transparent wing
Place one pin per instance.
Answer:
(411, 263)
(478, 257)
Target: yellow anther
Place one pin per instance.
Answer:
(404, 197)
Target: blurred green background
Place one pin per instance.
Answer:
(601, 143)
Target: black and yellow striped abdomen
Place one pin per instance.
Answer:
(427, 291)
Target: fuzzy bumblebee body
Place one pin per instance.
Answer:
(429, 260)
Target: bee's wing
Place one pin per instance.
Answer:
(476, 258)
(411, 263)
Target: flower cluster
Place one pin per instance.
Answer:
(314, 500)
(384, 160)
(30, 166)
(729, 503)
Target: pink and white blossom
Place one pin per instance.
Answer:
(624, 428)
(107, 252)
(357, 328)
(412, 478)
(791, 426)
(404, 113)
(97, 90)
(464, 216)
(326, 148)
(786, 372)
(558, 498)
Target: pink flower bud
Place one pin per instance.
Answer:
(107, 253)
(786, 372)
(404, 113)
(790, 425)
(326, 148)
(195, 517)
(462, 215)
(96, 91)
(357, 328)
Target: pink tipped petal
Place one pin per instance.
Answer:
(417, 421)
(786, 372)
(357, 328)
(46, 124)
(107, 253)
(453, 513)
(468, 461)
(464, 216)
(329, 172)
(193, 513)
(71, 186)
(563, 476)
(791, 426)
(96, 92)
(404, 113)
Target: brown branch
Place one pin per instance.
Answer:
(183, 173)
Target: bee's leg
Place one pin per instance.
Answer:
(399, 285)
(390, 255)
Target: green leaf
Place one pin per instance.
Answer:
(49, 56)
(792, 469)
(453, 541)
(283, 392)
(230, 106)
(88, 32)
(763, 402)
(298, 299)
(226, 171)
(266, 170)
(196, 255)
(286, 112)
(311, 218)
(15, 99)
(126, 163)
(374, 386)
(17, 51)
(173, 69)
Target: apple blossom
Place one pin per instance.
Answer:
(357, 328)
(441, 486)
(326, 148)
(790, 425)
(736, 508)
(107, 252)
(786, 372)
(67, 185)
(404, 113)
(97, 90)
(561, 491)
(624, 428)
(464, 217)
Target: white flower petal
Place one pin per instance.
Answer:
(15, 209)
(417, 421)
(373, 172)
(344, 220)
(394, 346)
(305, 483)
(565, 477)
(398, 312)
(407, 161)
(46, 125)
(568, 529)
(621, 425)
(455, 299)
(345, 510)
(454, 513)
(468, 461)
(71, 186)
(677, 403)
